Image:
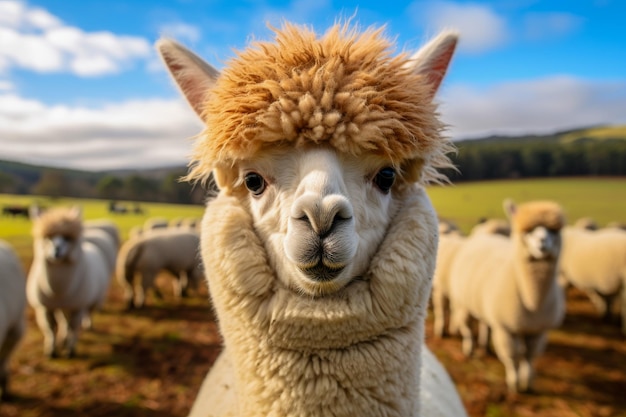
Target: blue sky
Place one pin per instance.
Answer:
(81, 86)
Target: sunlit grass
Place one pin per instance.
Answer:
(603, 199)
(598, 133)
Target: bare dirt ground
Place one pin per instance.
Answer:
(152, 362)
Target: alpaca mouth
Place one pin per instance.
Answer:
(322, 273)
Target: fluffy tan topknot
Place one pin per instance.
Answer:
(538, 213)
(58, 221)
(344, 89)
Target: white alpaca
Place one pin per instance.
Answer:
(141, 259)
(320, 247)
(510, 285)
(595, 262)
(108, 226)
(492, 226)
(12, 306)
(68, 279)
(449, 245)
(105, 235)
(586, 223)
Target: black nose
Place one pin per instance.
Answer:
(322, 273)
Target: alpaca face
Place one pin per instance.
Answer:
(321, 213)
(58, 248)
(542, 243)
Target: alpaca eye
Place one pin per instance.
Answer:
(385, 178)
(255, 183)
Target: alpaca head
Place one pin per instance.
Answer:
(320, 139)
(538, 224)
(57, 233)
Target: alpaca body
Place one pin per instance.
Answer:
(449, 245)
(510, 286)
(595, 262)
(320, 247)
(338, 349)
(104, 241)
(492, 226)
(217, 396)
(68, 279)
(174, 250)
(12, 306)
(108, 226)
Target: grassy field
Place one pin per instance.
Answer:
(152, 362)
(602, 199)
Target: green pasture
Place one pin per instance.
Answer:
(603, 199)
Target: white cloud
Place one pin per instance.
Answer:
(181, 32)
(6, 85)
(538, 106)
(33, 39)
(480, 27)
(139, 133)
(546, 25)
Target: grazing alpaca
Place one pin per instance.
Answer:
(595, 262)
(68, 279)
(320, 247)
(141, 259)
(510, 285)
(12, 306)
(449, 245)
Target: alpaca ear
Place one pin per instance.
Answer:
(193, 76)
(432, 59)
(509, 207)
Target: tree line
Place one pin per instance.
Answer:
(530, 158)
(476, 160)
(133, 187)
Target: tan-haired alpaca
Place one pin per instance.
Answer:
(510, 285)
(320, 247)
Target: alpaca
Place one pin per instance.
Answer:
(510, 285)
(586, 223)
(106, 238)
(154, 223)
(595, 262)
(174, 250)
(448, 226)
(449, 245)
(492, 226)
(12, 308)
(108, 226)
(320, 247)
(68, 279)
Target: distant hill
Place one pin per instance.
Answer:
(483, 158)
(566, 136)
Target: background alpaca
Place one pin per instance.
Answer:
(449, 245)
(141, 259)
(510, 285)
(320, 247)
(492, 226)
(12, 306)
(68, 279)
(595, 262)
